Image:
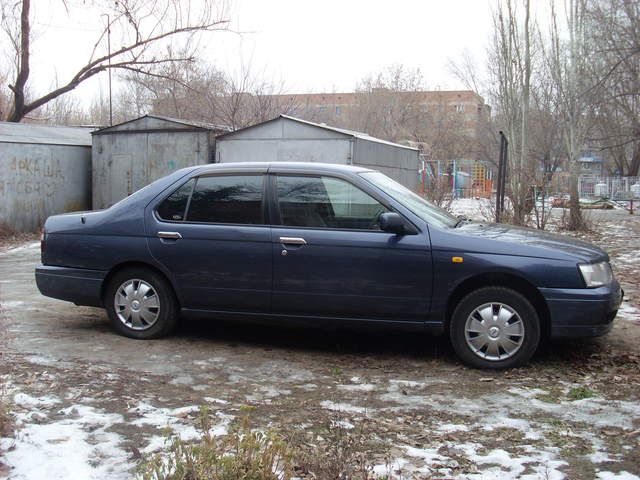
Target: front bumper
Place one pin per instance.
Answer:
(582, 312)
(77, 285)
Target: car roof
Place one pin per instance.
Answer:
(302, 167)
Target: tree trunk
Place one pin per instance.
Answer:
(634, 166)
(575, 214)
(18, 111)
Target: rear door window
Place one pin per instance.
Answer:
(228, 199)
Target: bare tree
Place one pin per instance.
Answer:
(510, 60)
(142, 28)
(248, 98)
(198, 91)
(388, 103)
(5, 100)
(614, 27)
(568, 63)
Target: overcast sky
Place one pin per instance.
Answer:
(310, 45)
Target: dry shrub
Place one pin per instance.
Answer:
(6, 231)
(438, 192)
(244, 454)
(343, 453)
(339, 452)
(564, 223)
(488, 211)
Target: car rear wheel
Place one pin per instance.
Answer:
(141, 304)
(495, 327)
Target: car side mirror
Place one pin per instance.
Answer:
(392, 222)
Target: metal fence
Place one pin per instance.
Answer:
(615, 188)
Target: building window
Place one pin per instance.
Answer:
(460, 108)
(338, 110)
(323, 108)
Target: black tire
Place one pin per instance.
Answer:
(526, 333)
(167, 313)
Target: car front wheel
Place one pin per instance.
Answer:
(495, 327)
(141, 304)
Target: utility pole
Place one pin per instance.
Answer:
(109, 60)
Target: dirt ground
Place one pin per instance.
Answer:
(89, 404)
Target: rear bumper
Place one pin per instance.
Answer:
(77, 285)
(584, 312)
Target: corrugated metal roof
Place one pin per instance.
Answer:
(351, 133)
(178, 121)
(194, 123)
(344, 131)
(11, 132)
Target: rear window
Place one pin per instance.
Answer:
(227, 199)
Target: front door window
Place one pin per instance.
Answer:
(326, 202)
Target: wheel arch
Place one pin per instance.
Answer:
(505, 280)
(137, 264)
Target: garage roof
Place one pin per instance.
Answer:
(344, 131)
(30, 133)
(157, 123)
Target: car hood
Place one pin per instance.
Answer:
(507, 239)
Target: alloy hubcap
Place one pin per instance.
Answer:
(137, 305)
(494, 331)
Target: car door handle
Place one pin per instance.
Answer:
(292, 241)
(170, 235)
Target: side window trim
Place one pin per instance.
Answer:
(186, 208)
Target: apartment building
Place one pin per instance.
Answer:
(340, 108)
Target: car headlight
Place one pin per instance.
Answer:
(596, 274)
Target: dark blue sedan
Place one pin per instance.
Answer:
(324, 244)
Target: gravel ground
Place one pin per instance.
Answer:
(89, 404)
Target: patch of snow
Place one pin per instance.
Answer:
(11, 304)
(395, 384)
(428, 455)
(342, 407)
(42, 360)
(266, 393)
(388, 471)
(473, 208)
(627, 258)
(359, 387)
(629, 312)
(182, 380)
(624, 475)
(599, 452)
(22, 248)
(342, 424)
(174, 420)
(25, 400)
(452, 427)
(78, 446)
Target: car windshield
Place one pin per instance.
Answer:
(424, 209)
